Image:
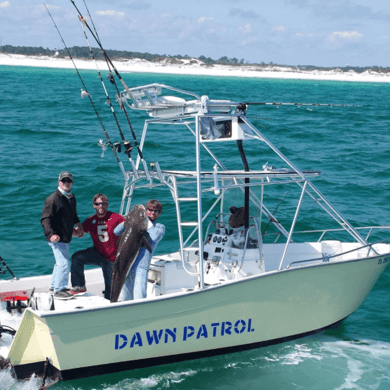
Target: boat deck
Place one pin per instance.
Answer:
(172, 278)
(87, 301)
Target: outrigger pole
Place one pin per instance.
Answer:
(111, 65)
(89, 96)
(300, 104)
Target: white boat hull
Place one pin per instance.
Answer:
(253, 312)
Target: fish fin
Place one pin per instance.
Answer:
(146, 244)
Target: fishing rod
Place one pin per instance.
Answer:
(101, 47)
(7, 268)
(93, 24)
(110, 63)
(112, 80)
(264, 119)
(272, 219)
(86, 93)
(126, 143)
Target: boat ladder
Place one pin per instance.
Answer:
(185, 249)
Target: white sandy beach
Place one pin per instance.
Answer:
(196, 67)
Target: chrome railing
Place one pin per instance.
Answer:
(328, 257)
(324, 231)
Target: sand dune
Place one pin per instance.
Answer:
(196, 67)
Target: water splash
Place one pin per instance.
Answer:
(7, 382)
(12, 320)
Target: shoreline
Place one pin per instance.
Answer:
(196, 68)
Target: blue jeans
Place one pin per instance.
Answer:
(135, 284)
(91, 256)
(60, 276)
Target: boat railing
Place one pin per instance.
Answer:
(324, 231)
(150, 93)
(151, 99)
(157, 176)
(328, 257)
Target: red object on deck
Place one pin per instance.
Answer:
(14, 296)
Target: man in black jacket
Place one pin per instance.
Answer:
(59, 216)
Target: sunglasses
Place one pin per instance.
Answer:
(154, 211)
(100, 204)
(67, 180)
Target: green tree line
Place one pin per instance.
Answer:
(84, 52)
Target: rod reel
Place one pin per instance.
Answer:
(103, 145)
(117, 145)
(110, 78)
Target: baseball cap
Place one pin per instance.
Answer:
(65, 174)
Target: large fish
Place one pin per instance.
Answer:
(136, 224)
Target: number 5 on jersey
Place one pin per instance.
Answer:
(103, 235)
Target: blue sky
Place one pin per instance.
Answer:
(289, 32)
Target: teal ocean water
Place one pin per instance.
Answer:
(46, 128)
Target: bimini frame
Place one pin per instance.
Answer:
(176, 111)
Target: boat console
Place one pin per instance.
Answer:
(229, 254)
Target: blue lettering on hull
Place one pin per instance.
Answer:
(170, 335)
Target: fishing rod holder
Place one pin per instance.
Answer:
(156, 166)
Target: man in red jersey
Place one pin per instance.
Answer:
(101, 227)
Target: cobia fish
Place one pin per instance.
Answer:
(135, 224)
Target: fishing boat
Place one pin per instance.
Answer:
(241, 278)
